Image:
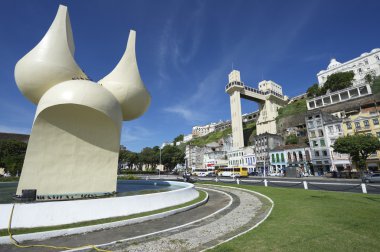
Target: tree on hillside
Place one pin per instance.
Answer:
(178, 139)
(369, 78)
(314, 90)
(375, 85)
(338, 81)
(291, 139)
(359, 147)
(12, 154)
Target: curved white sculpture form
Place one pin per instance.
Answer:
(125, 83)
(51, 61)
(74, 145)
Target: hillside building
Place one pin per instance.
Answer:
(365, 121)
(366, 63)
(323, 130)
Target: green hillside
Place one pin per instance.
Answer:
(248, 130)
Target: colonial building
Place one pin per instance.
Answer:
(366, 63)
(323, 130)
(293, 155)
(262, 145)
(365, 121)
(199, 131)
(244, 157)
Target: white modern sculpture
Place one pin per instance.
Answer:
(74, 145)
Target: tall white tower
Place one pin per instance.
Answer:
(236, 120)
(270, 99)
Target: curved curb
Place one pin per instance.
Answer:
(91, 228)
(165, 230)
(255, 226)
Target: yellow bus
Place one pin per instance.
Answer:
(233, 172)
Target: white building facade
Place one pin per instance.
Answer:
(366, 63)
(199, 131)
(244, 157)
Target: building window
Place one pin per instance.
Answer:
(375, 121)
(377, 57)
(323, 144)
(273, 159)
(310, 124)
(324, 153)
(331, 129)
(357, 125)
(282, 157)
(366, 61)
(316, 153)
(312, 134)
(349, 125)
(366, 123)
(277, 158)
(315, 144)
(338, 128)
(320, 133)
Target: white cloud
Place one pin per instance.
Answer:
(189, 114)
(134, 133)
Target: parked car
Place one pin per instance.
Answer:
(255, 173)
(371, 178)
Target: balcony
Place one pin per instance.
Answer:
(363, 129)
(339, 96)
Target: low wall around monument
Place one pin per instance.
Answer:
(29, 215)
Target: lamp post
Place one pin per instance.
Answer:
(159, 170)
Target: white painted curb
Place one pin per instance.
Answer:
(85, 229)
(46, 214)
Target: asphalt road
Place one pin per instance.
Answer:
(313, 183)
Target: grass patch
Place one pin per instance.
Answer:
(9, 179)
(306, 220)
(249, 128)
(294, 108)
(212, 137)
(128, 177)
(3, 232)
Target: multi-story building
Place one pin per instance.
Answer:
(278, 161)
(249, 159)
(293, 155)
(214, 159)
(262, 145)
(366, 63)
(365, 121)
(199, 131)
(244, 157)
(323, 130)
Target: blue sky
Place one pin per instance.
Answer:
(185, 50)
